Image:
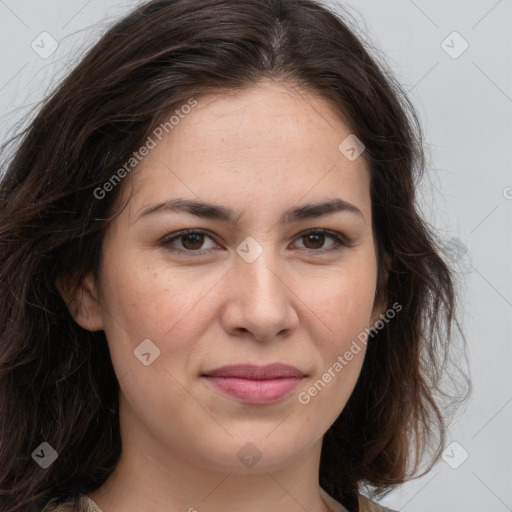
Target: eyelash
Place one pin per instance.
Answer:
(339, 239)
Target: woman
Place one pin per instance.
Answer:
(217, 291)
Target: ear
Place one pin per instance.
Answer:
(82, 300)
(379, 308)
(380, 304)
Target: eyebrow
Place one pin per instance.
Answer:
(217, 212)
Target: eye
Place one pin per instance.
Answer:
(315, 239)
(192, 241)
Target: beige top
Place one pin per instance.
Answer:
(365, 505)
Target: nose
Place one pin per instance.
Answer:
(260, 302)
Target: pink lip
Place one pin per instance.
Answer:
(256, 384)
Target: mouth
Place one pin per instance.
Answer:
(254, 384)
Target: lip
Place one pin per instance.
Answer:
(255, 384)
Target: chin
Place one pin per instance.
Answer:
(256, 453)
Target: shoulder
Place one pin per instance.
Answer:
(367, 505)
(69, 505)
(364, 504)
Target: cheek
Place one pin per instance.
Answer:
(343, 304)
(343, 311)
(343, 300)
(156, 303)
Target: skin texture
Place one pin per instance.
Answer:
(258, 152)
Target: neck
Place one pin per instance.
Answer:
(141, 483)
(161, 479)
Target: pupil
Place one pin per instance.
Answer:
(319, 238)
(192, 236)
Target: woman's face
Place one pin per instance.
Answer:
(248, 287)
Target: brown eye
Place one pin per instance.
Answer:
(192, 241)
(315, 239)
(189, 243)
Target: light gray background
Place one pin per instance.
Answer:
(465, 105)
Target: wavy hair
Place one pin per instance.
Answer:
(57, 382)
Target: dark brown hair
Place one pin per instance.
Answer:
(57, 382)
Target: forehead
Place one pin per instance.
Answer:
(272, 142)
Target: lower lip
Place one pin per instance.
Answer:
(256, 391)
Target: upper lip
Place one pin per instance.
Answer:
(255, 372)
